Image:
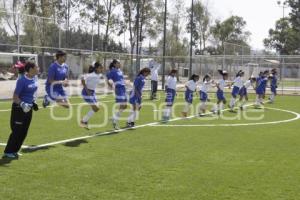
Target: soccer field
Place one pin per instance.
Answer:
(248, 155)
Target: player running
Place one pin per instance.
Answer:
(237, 85)
(90, 82)
(115, 80)
(56, 81)
(170, 94)
(21, 113)
(191, 87)
(136, 96)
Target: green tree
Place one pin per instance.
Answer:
(201, 25)
(231, 30)
(284, 38)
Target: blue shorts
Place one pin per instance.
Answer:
(243, 91)
(203, 96)
(274, 89)
(56, 94)
(120, 93)
(170, 96)
(135, 100)
(220, 95)
(235, 91)
(189, 96)
(260, 91)
(89, 99)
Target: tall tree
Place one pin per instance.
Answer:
(94, 11)
(12, 18)
(284, 38)
(201, 25)
(230, 30)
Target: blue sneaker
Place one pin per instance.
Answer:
(10, 156)
(46, 102)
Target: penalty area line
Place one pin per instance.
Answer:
(35, 147)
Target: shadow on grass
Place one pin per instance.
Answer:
(5, 161)
(75, 143)
(32, 149)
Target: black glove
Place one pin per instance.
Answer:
(35, 107)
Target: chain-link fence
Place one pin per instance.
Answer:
(41, 37)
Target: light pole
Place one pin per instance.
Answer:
(191, 40)
(164, 47)
(283, 5)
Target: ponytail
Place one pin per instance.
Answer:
(113, 63)
(143, 71)
(206, 77)
(91, 69)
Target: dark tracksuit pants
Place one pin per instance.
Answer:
(19, 124)
(153, 89)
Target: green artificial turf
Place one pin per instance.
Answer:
(258, 162)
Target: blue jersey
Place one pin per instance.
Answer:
(274, 81)
(26, 89)
(136, 93)
(57, 72)
(116, 75)
(262, 83)
(139, 83)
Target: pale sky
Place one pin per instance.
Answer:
(260, 15)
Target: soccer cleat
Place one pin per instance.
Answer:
(46, 102)
(184, 114)
(84, 125)
(132, 124)
(128, 125)
(165, 119)
(201, 115)
(10, 156)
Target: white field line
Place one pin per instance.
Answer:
(111, 132)
(76, 104)
(23, 146)
(297, 116)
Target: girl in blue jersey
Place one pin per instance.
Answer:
(115, 79)
(237, 85)
(261, 84)
(244, 91)
(191, 87)
(21, 112)
(136, 96)
(221, 84)
(273, 84)
(56, 81)
(90, 82)
(204, 89)
(170, 94)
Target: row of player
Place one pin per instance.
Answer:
(24, 98)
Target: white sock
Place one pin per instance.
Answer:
(272, 97)
(257, 103)
(117, 115)
(186, 107)
(167, 111)
(202, 107)
(232, 102)
(88, 116)
(243, 102)
(132, 116)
